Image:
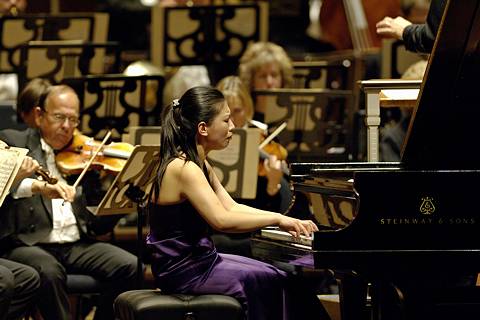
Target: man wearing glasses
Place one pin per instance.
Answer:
(56, 236)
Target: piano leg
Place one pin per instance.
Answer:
(302, 300)
(353, 295)
(387, 301)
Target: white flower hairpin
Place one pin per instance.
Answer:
(175, 103)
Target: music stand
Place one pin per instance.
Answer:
(129, 192)
(319, 122)
(206, 34)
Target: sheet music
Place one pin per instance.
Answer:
(11, 159)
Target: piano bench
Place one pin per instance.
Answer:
(152, 304)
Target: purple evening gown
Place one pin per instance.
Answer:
(185, 260)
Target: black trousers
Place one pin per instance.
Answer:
(18, 288)
(115, 267)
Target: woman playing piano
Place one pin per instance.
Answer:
(187, 198)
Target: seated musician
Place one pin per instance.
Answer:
(265, 65)
(58, 236)
(188, 199)
(19, 283)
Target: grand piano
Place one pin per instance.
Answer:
(412, 227)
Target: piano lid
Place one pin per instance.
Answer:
(444, 128)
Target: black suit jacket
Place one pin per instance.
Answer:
(421, 37)
(29, 220)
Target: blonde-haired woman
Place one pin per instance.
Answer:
(239, 100)
(265, 65)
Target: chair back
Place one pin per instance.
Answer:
(323, 74)
(18, 30)
(55, 60)
(319, 122)
(206, 35)
(116, 102)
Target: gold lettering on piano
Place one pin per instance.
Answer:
(427, 221)
(427, 206)
(406, 221)
(461, 220)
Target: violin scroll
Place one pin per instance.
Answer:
(46, 176)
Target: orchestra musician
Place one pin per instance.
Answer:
(416, 37)
(19, 283)
(188, 198)
(265, 65)
(58, 236)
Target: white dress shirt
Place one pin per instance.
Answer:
(64, 222)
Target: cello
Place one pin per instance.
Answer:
(350, 24)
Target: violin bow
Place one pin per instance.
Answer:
(273, 135)
(109, 133)
(80, 177)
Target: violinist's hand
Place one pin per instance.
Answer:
(297, 227)
(28, 167)
(58, 190)
(392, 28)
(273, 170)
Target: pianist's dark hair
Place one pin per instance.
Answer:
(179, 123)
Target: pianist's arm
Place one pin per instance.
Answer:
(222, 213)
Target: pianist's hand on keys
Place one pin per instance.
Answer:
(297, 227)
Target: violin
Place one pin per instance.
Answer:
(46, 176)
(272, 149)
(76, 156)
(268, 148)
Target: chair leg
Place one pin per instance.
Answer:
(77, 305)
(74, 301)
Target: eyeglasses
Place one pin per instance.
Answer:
(60, 118)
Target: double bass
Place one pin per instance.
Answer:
(350, 24)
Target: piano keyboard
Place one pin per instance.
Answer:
(279, 235)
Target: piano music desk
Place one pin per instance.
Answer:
(385, 93)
